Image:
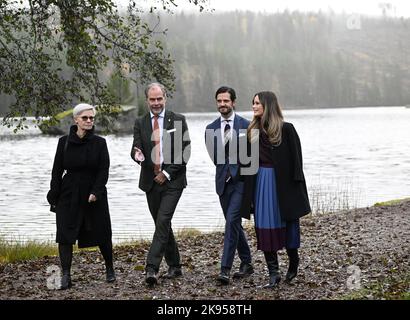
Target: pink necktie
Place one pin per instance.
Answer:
(157, 160)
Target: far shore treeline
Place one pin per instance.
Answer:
(309, 59)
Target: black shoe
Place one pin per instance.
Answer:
(173, 272)
(65, 281)
(245, 270)
(110, 274)
(274, 280)
(151, 277)
(223, 277)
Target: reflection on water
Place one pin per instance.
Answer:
(352, 157)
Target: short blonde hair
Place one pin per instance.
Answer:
(79, 108)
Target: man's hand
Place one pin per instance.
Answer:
(139, 156)
(160, 178)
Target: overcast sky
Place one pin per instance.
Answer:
(368, 7)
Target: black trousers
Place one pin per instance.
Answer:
(66, 255)
(162, 202)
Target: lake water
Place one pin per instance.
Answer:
(353, 157)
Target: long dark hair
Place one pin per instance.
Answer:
(272, 119)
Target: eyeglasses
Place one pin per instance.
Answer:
(85, 118)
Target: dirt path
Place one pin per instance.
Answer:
(375, 241)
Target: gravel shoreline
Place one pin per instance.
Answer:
(370, 243)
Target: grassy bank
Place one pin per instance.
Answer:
(391, 202)
(13, 251)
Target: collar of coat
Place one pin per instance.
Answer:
(74, 138)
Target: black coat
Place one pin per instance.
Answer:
(81, 168)
(290, 180)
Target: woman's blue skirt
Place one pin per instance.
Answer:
(272, 232)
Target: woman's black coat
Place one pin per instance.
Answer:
(290, 180)
(81, 168)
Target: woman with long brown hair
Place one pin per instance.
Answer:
(279, 191)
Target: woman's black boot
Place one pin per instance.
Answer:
(273, 268)
(66, 257)
(106, 251)
(110, 273)
(65, 281)
(293, 264)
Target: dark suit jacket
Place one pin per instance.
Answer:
(290, 180)
(222, 168)
(176, 148)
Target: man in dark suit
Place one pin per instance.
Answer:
(162, 147)
(223, 139)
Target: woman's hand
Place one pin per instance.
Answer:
(92, 198)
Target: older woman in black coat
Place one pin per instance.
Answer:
(278, 192)
(78, 194)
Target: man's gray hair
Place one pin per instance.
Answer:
(155, 84)
(83, 107)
